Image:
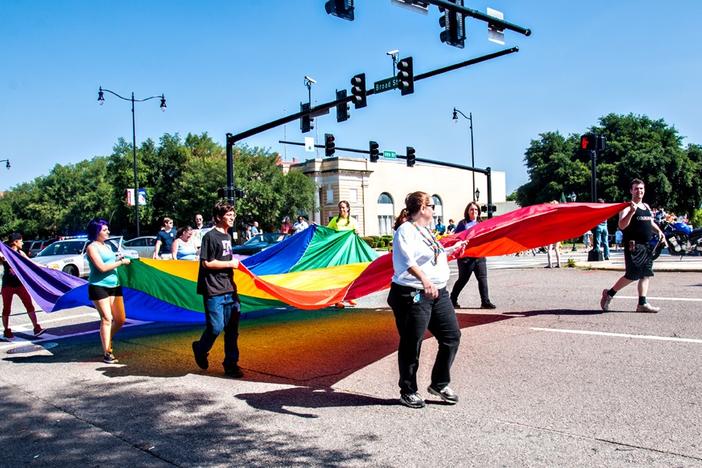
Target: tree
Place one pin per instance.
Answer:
(637, 147)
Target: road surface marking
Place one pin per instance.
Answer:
(619, 335)
(690, 299)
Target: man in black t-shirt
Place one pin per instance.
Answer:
(636, 222)
(215, 282)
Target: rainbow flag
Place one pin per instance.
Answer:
(310, 270)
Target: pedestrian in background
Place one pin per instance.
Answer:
(182, 248)
(11, 286)
(420, 302)
(601, 235)
(164, 240)
(104, 289)
(556, 247)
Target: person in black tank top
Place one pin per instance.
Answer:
(638, 227)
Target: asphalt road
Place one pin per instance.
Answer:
(545, 380)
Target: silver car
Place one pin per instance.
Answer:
(144, 245)
(69, 255)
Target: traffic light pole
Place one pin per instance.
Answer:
(324, 108)
(499, 24)
(593, 183)
(487, 171)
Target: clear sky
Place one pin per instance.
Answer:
(227, 66)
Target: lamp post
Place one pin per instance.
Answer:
(101, 101)
(469, 118)
(572, 198)
(7, 163)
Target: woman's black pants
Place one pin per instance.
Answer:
(413, 319)
(466, 267)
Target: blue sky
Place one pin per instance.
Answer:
(226, 66)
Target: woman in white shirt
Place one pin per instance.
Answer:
(419, 300)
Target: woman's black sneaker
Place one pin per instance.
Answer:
(412, 400)
(488, 305)
(446, 394)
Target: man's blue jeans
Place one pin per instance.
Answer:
(601, 238)
(222, 314)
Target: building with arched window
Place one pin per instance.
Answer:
(376, 191)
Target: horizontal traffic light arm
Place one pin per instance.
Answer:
(324, 108)
(399, 156)
(500, 24)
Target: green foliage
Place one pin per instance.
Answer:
(637, 147)
(181, 178)
(696, 218)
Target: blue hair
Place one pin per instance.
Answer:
(94, 228)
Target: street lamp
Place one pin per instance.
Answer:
(101, 101)
(469, 118)
(571, 198)
(477, 194)
(7, 163)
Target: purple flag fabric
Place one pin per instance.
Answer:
(46, 286)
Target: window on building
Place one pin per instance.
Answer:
(386, 214)
(330, 195)
(438, 209)
(353, 195)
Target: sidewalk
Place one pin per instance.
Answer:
(663, 263)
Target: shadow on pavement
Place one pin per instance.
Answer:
(311, 348)
(123, 424)
(284, 401)
(572, 312)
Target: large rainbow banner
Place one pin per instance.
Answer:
(310, 270)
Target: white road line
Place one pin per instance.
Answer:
(619, 335)
(684, 299)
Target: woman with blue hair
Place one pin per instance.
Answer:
(104, 289)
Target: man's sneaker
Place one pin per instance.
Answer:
(446, 394)
(647, 308)
(605, 300)
(488, 305)
(109, 358)
(200, 358)
(412, 400)
(38, 331)
(234, 371)
(8, 335)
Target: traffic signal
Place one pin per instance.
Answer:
(329, 145)
(591, 142)
(358, 90)
(342, 109)
(306, 121)
(340, 8)
(374, 151)
(405, 76)
(411, 158)
(454, 25)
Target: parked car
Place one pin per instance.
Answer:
(144, 245)
(33, 247)
(69, 255)
(259, 242)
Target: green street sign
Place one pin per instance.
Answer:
(385, 85)
(389, 155)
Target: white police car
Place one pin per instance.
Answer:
(69, 255)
